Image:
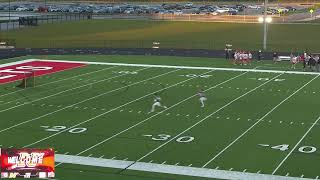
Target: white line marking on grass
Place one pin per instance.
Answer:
(150, 161)
(10, 146)
(89, 155)
(147, 119)
(217, 167)
(176, 164)
(147, 135)
(287, 174)
(230, 169)
(302, 175)
(61, 92)
(244, 170)
(210, 115)
(114, 157)
(60, 80)
(317, 177)
(163, 162)
(305, 134)
(264, 145)
(108, 92)
(66, 153)
(259, 172)
(101, 156)
(125, 159)
(190, 165)
(251, 127)
(88, 120)
(189, 67)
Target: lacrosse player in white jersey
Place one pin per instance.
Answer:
(202, 97)
(156, 102)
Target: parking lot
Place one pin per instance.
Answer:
(165, 8)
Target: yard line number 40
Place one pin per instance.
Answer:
(302, 149)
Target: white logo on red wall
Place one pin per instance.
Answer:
(37, 68)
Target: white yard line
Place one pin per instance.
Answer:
(114, 109)
(61, 92)
(205, 118)
(88, 99)
(168, 169)
(147, 119)
(188, 67)
(251, 127)
(280, 164)
(60, 80)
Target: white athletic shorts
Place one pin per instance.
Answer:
(203, 99)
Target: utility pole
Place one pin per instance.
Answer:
(265, 25)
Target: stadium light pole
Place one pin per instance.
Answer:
(265, 25)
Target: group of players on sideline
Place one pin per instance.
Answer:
(309, 61)
(157, 100)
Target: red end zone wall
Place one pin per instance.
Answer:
(18, 71)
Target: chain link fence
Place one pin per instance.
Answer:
(15, 22)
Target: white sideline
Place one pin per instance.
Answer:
(186, 67)
(169, 169)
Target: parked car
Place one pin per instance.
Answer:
(254, 7)
(222, 10)
(291, 8)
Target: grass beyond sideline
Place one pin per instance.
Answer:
(188, 35)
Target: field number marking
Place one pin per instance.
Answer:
(195, 75)
(126, 72)
(165, 137)
(60, 128)
(267, 79)
(285, 147)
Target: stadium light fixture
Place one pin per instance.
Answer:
(269, 19)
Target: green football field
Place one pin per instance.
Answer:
(260, 121)
(170, 34)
